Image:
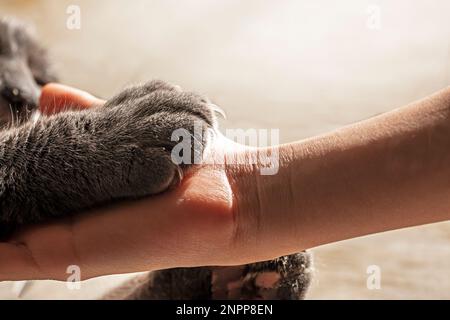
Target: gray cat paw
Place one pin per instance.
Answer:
(122, 150)
(152, 119)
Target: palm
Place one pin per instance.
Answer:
(186, 226)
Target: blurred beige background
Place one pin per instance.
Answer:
(305, 67)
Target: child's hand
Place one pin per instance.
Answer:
(192, 225)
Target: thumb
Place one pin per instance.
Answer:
(57, 97)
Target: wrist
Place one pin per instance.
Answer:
(262, 202)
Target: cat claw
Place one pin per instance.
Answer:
(178, 177)
(218, 110)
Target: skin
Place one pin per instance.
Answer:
(385, 173)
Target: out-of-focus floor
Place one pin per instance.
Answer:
(305, 67)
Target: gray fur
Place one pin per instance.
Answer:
(238, 282)
(70, 162)
(118, 151)
(24, 68)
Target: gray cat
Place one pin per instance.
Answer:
(64, 164)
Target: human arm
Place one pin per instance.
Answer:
(385, 173)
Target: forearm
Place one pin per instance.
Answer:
(389, 172)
